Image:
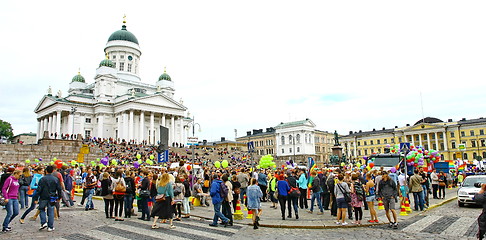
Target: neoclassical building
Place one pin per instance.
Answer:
(464, 139)
(117, 104)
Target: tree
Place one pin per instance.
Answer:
(6, 129)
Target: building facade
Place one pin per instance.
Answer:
(455, 140)
(117, 104)
(294, 141)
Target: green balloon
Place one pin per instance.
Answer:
(152, 157)
(217, 164)
(224, 164)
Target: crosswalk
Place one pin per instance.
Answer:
(135, 229)
(442, 225)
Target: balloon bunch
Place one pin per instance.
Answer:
(393, 149)
(266, 162)
(418, 156)
(290, 164)
(223, 164)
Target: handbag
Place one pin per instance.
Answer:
(160, 198)
(120, 188)
(442, 184)
(294, 192)
(144, 193)
(30, 192)
(347, 197)
(3, 201)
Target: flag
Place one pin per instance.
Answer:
(312, 166)
(462, 167)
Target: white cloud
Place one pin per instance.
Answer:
(253, 64)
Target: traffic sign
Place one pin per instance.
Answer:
(462, 147)
(194, 141)
(404, 147)
(163, 156)
(251, 146)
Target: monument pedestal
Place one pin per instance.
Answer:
(337, 150)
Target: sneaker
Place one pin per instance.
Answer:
(172, 227)
(80, 205)
(376, 221)
(320, 213)
(44, 226)
(21, 221)
(344, 223)
(213, 225)
(5, 230)
(32, 218)
(390, 225)
(50, 229)
(309, 212)
(338, 223)
(395, 226)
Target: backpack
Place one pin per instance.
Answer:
(223, 190)
(119, 187)
(177, 190)
(129, 187)
(358, 188)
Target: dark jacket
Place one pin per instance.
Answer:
(145, 184)
(25, 181)
(105, 187)
(292, 181)
(480, 199)
(130, 186)
(323, 179)
(48, 187)
(187, 188)
(316, 185)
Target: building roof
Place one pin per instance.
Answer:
(26, 134)
(428, 120)
(123, 35)
(107, 63)
(295, 123)
(78, 78)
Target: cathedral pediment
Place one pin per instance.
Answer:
(45, 103)
(160, 100)
(423, 126)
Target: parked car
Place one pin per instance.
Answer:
(466, 192)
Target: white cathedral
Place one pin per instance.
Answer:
(117, 105)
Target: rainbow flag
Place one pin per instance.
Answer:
(462, 167)
(312, 166)
(451, 165)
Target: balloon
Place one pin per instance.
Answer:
(368, 168)
(342, 164)
(152, 157)
(113, 162)
(51, 163)
(98, 159)
(358, 165)
(371, 165)
(139, 162)
(224, 163)
(36, 160)
(188, 167)
(93, 163)
(27, 161)
(365, 158)
(139, 156)
(217, 164)
(40, 159)
(136, 164)
(54, 159)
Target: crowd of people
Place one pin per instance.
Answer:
(163, 193)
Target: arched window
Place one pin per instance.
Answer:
(474, 155)
(290, 139)
(465, 156)
(298, 138)
(484, 154)
(283, 141)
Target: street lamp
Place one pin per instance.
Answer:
(73, 110)
(193, 124)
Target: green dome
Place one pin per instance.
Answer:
(165, 76)
(107, 63)
(78, 78)
(123, 35)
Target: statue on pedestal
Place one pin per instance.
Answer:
(336, 139)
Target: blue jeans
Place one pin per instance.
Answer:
(242, 193)
(24, 198)
(293, 202)
(418, 200)
(32, 207)
(218, 214)
(128, 204)
(50, 213)
(316, 195)
(12, 211)
(185, 204)
(89, 199)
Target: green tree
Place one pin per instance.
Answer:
(6, 129)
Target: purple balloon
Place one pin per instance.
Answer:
(104, 161)
(393, 170)
(365, 157)
(40, 159)
(136, 164)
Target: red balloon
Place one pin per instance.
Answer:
(188, 167)
(413, 159)
(372, 165)
(415, 164)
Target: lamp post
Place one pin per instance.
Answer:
(73, 110)
(193, 124)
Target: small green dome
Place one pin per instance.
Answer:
(78, 78)
(123, 35)
(107, 63)
(165, 76)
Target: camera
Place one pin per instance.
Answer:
(478, 184)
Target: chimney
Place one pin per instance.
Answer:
(248, 133)
(396, 126)
(408, 125)
(383, 128)
(463, 119)
(223, 139)
(374, 129)
(449, 120)
(350, 132)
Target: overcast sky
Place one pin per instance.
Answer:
(346, 65)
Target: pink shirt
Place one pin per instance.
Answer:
(10, 188)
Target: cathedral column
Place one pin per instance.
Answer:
(100, 125)
(39, 129)
(58, 123)
(420, 139)
(46, 125)
(152, 132)
(130, 126)
(70, 124)
(119, 126)
(181, 130)
(172, 129)
(125, 126)
(51, 125)
(413, 140)
(82, 120)
(142, 127)
(428, 142)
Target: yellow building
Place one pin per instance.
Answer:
(464, 139)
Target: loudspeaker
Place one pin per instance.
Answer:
(164, 139)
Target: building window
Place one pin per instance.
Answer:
(393, 140)
(385, 141)
(129, 67)
(481, 132)
(87, 134)
(283, 141)
(472, 132)
(452, 134)
(453, 144)
(484, 154)
(440, 135)
(290, 150)
(417, 138)
(283, 151)
(463, 134)
(113, 57)
(87, 120)
(364, 143)
(473, 143)
(426, 136)
(114, 65)
(122, 56)
(442, 146)
(465, 156)
(366, 152)
(378, 141)
(116, 119)
(298, 138)
(359, 144)
(298, 149)
(371, 142)
(475, 155)
(483, 143)
(122, 66)
(433, 136)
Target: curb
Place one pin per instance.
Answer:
(441, 203)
